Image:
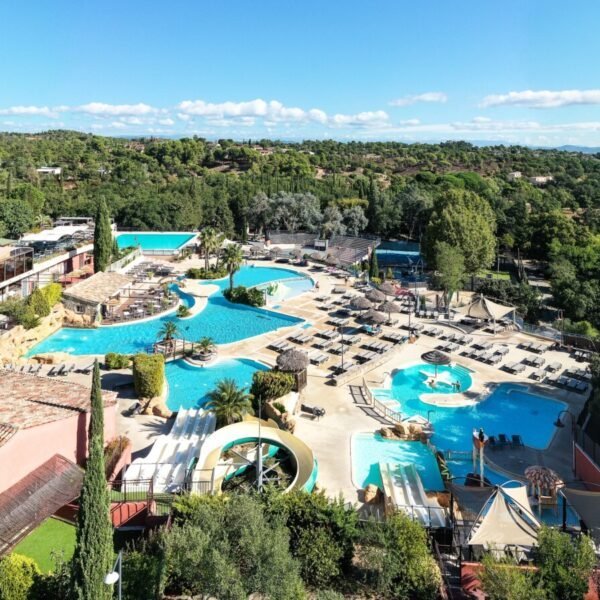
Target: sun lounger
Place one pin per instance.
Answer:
(485, 357)
(554, 367)
(492, 443)
(315, 411)
(317, 358)
(503, 440)
(581, 387)
(370, 330)
(301, 338)
(525, 345)
(495, 359)
(519, 368)
(467, 339)
(349, 340)
(364, 357)
(339, 368)
(517, 441)
(323, 343)
(276, 345)
(510, 366)
(326, 307)
(538, 375)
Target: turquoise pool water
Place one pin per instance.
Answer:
(154, 241)
(509, 409)
(368, 449)
(288, 288)
(221, 320)
(189, 385)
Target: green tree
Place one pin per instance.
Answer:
(503, 580)
(373, 265)
(93, 547)
(229, 402)
(168, 331)
(450, 270)
(17, 216)
(465, 221)
(210, 242)
(17, 576)
(565, 563)
(39, 303)
(233, 257)
(102, 238)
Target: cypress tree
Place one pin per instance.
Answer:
(94, 547)
(373, 265)
(103, 243)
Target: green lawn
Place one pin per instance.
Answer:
(495, 275)
(51, 535)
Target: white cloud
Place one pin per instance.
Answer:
(363, 119)
(408, 122)
(543, 98)
(426, 97)
(115, 110)
(43, 111)
(167, 121)
(184, 117)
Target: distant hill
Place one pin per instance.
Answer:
(584, 149)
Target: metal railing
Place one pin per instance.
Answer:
(125, 260)
(381, 408)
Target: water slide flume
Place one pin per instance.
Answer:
(212, 468)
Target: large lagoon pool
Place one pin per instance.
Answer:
(509, 408)
(221, 320)
(189, 385)
(154, 241)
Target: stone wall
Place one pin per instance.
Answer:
(16, 342)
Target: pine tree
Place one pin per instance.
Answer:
(102, 238)
(94, 547)
(373, 265)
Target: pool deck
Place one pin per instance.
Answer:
(346, 411)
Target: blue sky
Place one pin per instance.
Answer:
(509, 71)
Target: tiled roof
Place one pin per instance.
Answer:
(29, 401)
(99, 287)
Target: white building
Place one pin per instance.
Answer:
(514, 175)
(50, 171)
(541, 179)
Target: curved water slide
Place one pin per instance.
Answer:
(210, 466)
(403, 485)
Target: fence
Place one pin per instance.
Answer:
(381, 408)
(587, 444)
(127, 259)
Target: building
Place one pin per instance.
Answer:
(93, 296)
(541, 179)
(57, 171)
(41, 417)
(58, 238)
(514, 175)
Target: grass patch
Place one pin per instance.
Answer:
(51, 536)
(502, 275)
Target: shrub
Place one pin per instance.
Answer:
(53, 293)
(57, 584)
(113, 360)
(38, 303)
(28, 318)
(269, 385)
(320, 557)
(143, 567)
(113, 452)
(201, 273)
(243, 295)
(148, 374)
(280, 407)
(183, 311)
(17, 574)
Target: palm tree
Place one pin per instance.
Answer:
(229, 402)
(206, 346)
(232, 259)
(168, 331)
(210, 241)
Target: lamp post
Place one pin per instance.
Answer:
(431, 410)
(341, 330)
(116, 575)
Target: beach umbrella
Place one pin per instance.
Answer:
(543, 478)
(388, 289)
(360, 303)
(389, 308)
(375, 296)
(292, 361)
(435, 357)
(374, 317)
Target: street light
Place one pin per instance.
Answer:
(116, 575)
(431, 410)
(341, 330)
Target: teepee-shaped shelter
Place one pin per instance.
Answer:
(483, 308)
(505, 520)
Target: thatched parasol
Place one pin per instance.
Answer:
(375, 296)
(435, 357)
(389, 308)
(292, 361)
(388, 289)
(374, 317)
(332, 260)
(543, 478)
(360, 303)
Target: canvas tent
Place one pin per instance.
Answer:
(483, 308)
(506, 520)
(586, 504)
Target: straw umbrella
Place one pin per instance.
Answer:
(374, 317)
(543, 478)
(375, 296)
(435, 357)
(388, 289)
(360, 303)
(389, 308)
(294, 362)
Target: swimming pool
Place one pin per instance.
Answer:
(369, 449)
(154, 241)
(189, 385)
(221, 320)
(286, 289)
(510, 409)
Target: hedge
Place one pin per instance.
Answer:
(270, 385)
(17, 575)
(53, 293)
(38, 302)
(148, 375)
(244, 295)
(113, 360)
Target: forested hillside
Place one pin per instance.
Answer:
(389, 189)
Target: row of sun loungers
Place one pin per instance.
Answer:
(449, 347)
(516, 441)
(514, 367)
(379, 347)
(581, 374)
(364, 357)
(535, 361)
(562, 381)
(533, 347)
(338, 322)
(396, 338)
(301, 338)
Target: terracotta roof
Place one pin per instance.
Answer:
(29, 401)
(99, 287)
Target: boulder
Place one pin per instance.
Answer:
(400, 429)
(387, 433)
(372, 494)
(415, 429)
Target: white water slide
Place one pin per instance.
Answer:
(172, 454)
(403, 485)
